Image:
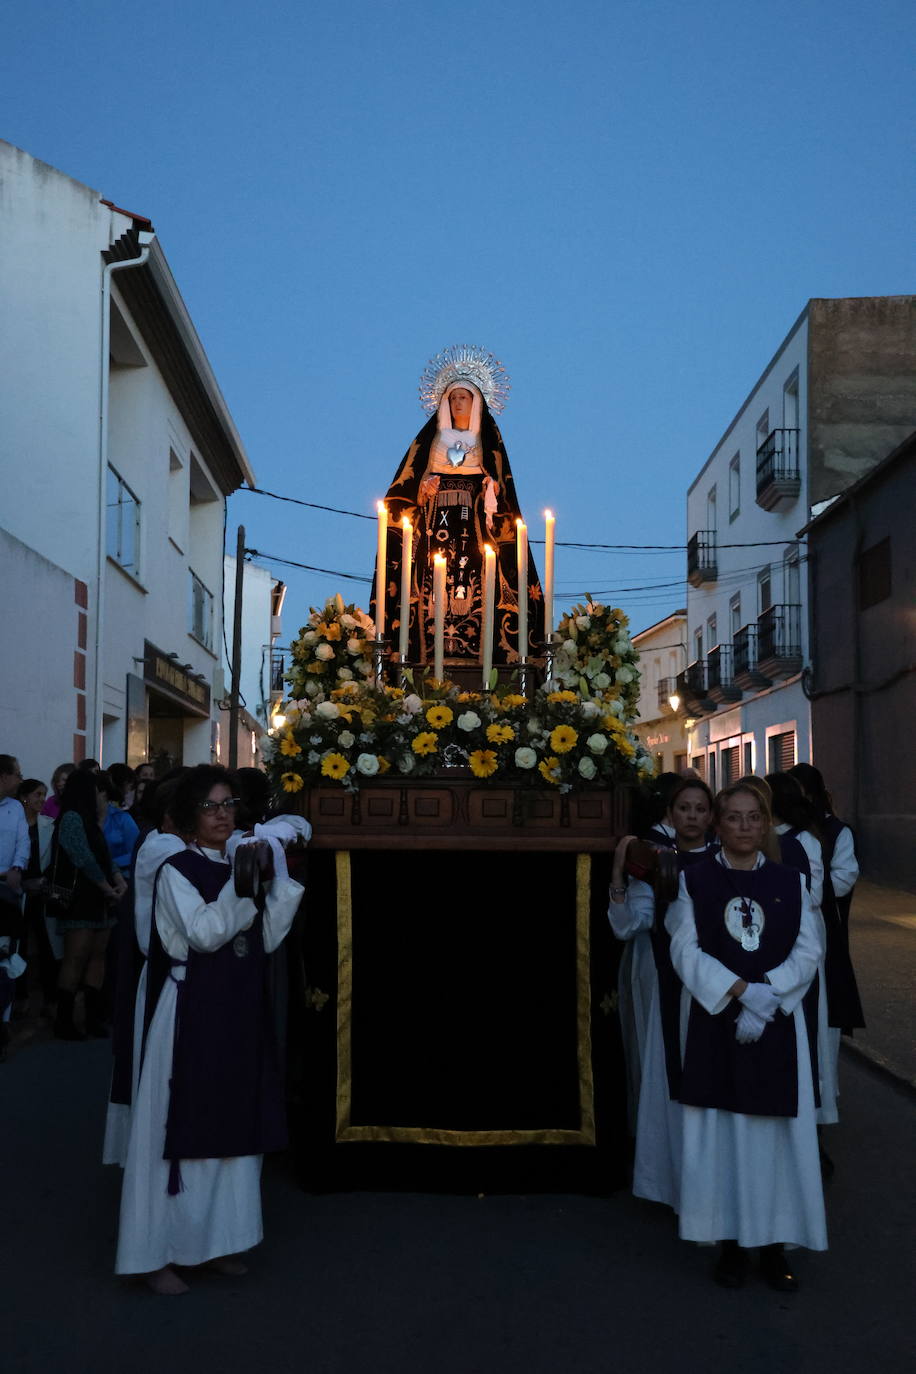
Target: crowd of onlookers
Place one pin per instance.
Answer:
(65, 855)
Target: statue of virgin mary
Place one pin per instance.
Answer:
(455, 486)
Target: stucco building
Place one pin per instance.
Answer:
(117, 453)
(662, 657)
(837, 395)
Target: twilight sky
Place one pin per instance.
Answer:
(629, 204)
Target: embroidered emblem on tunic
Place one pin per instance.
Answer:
(240, 946)
(744, 921)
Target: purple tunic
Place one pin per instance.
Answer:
(226, 1095)
(844, 1006)
(669, 985)
(759, 1079)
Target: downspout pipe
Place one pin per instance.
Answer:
(146, 242)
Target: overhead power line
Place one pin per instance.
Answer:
(291, 563)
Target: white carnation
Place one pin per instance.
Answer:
(412, 704)
(622, 643)
(367, 764)
(406, 763)
(589, 709)
(345, 674)
(597, 743)
(309, 637)
(348, 622)
(313, 756)
(346, 739)
(587, 767)
(468, 721)
(583, 622)
(534, 726)
(525, 757)
(324, 652)
(615, 707)
(601, 680)
(327, 710)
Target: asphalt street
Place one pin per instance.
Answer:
(371, 1283)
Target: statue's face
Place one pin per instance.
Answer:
(460, 401)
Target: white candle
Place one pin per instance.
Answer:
(550, 521)
(406, 556)
(489, 612)
(521, 537)
(381, 570)
(439, 615)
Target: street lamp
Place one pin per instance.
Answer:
(674, 701)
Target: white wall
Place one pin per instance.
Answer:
(257, 586)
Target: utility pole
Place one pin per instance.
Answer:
(236, 650)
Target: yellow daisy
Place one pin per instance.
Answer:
(439, 716)
(290, 747)
(514, 699)
(563, 738)
(500, 734)
(626, 747)
(468, 696)
(561, 696)
(383, 764)
(549, 770)
(483, 763)
(425, 743)
(291, 782)
(334, 766)
(394, 692)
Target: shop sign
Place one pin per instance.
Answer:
(164, 674)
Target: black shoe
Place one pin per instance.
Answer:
(730, 1269)
(774, 1267)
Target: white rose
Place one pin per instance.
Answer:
(367, 764)
(597, 743)
(324, 652)
(348, 622)
(345, 674)
(589, 709)
(309, 637)
(625, 674)
(525, 757)
(346, 739)
(312, 689)
(313, 756)
(534, 726)
(601, 680)
(587, 768)
(622, 644)
(468, 721)
(354, 646)
(364, 667)
(412, 704)
(406, 763)
(327, 710)
(583, 622)
(568, 649)
(615, 707)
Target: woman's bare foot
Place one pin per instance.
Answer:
(166, 1282)
(227, 1264)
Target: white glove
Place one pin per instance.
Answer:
(749, 1027)
(281, 872)
(761, 999)
(235, 840)
(286, 828)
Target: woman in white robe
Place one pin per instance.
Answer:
(750, 1179)
(217, 1212)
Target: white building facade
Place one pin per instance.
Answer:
(263, 660)
(662, 658)
(837, 395)
(117, 454)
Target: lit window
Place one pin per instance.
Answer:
(122, 524)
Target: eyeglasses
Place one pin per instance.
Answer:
(229, 804)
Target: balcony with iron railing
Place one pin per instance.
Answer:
(778, 472)
(779, 647)
(277, 672)
(669, 696)
(701, 558)
(695, 698)
(745, 671)
(720, 679)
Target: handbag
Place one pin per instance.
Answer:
(58, 898)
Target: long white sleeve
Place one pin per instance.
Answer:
(704, 977)
(184, 920)
(844, 867)
(792, 978)
(812, 847)
(635, 913)
(283, 898)
(152, 854)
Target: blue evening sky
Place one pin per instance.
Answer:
(628, 203)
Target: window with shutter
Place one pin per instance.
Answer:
(731, 765)
(782, 752)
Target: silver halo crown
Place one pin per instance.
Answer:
(464, 363)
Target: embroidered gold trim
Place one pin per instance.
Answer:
(431, 1135)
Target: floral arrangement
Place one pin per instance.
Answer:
(334, 647)
(340, 727)
(596, 655)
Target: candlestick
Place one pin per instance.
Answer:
(521, 538)
(489, 613)
(406, 557)
(381, 569)
(439, 616)
(550, 522)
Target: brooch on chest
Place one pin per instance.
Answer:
(744, 921)
(240, 946)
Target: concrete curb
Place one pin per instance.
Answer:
(876, 1063)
